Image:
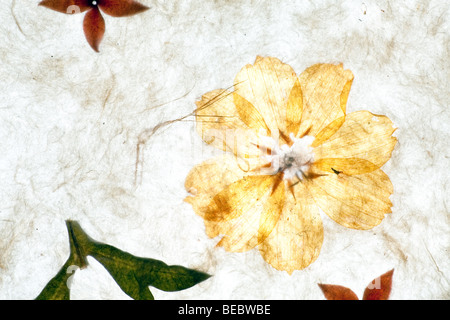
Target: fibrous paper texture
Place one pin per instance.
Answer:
(78, 140)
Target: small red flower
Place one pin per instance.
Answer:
(378, 289)
(94, 24)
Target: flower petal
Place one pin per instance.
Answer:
(267, 85)
(67, 6)
(121, 8)
(245, 218)
(296, 240)
(379, 288)
(207, 179)
(328, 131)
(248, 228)
(335, 292)
(363, 135)
(249, 114)
(239, 197)
(94, 27)
(350, 166)
(325, 90)
(294, 110)
(220, 122)
(357, 202)
(272, 210)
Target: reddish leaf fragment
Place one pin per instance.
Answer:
(334, 292)
(67, 6)
(94, 27)
(121, 8)
(379, 288)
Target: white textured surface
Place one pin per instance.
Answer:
(70, 120)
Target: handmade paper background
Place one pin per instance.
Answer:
(71, 120)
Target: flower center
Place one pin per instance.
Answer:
(293, 161)
(94, 3)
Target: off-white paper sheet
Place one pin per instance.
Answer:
(72, 121)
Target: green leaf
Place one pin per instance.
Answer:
(133, 274)
(58, 288)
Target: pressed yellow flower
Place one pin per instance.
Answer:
(290, 149)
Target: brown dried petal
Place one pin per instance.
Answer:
(334, 292)
(94, 27)
(121, 8)
(67, 6)
(379, 288)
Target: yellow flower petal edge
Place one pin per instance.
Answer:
(253, 224)
(297, 238)
(303, 152)
(267, 85)
(363, 135)
(348, 166)
(325, 90)
(357, 202)
(294, 109)
(207, 179)
(230, 123)
(239, 197)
